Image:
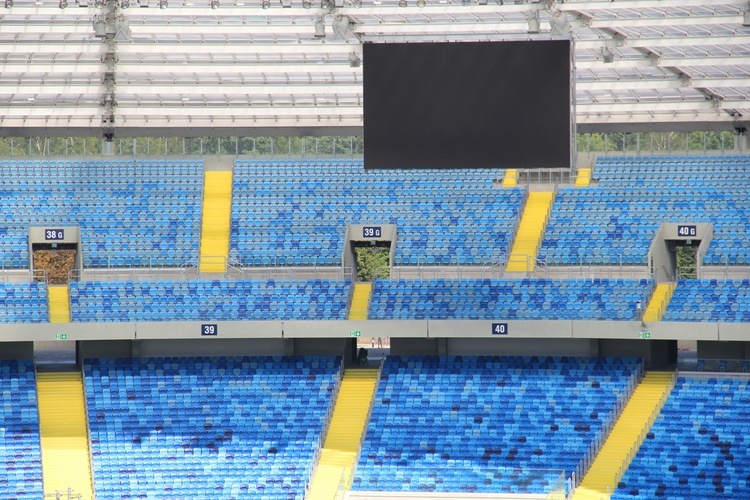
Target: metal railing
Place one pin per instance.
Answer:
(601, 436)
(326, 428)
(64, 495)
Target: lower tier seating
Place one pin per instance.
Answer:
(486, 424)
(597, 299)
(20, 458)
(207, 428)
(710, 300)
(166, 300)
(698, 447)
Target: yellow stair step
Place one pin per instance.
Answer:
(360, 301)
(59, 303)
(216, 221)
(583, 178)
(530, 232)
(510, 179)
(348, 422)
(625, 437)
(64, 434)
(659, 302)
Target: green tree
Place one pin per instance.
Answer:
(372, 261)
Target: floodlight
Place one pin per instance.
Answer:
(340, 27)
(402, 3)
(357, 3)
(99, 4)
(124, 4)
(559, 24)
(326, 4)
(607, 55)
(265, 4)
(214, 4)
(465, 3)
(163, 4)
(421, 3)
(63, 4)
(533, 21)
(8, 4)
(287, 4)
(320, 27)
(481, 2)
(354, 60)
(306, 4)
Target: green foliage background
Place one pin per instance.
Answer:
(372, 260)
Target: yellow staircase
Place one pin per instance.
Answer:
(530, 232)
(64, 434)
(583, 178)
(659, 302)
(59, 304)
(626, 437)
(360, 300)
(217, 214)
(344, 434)
(510, 179)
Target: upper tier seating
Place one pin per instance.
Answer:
(207, 428)
(698, 446)
(20, 458)
(614, 223)
(480, 424)
(295, 212)
(23, 303)
(164, 300)
(131, 213)
(597, 299)
(710, 300)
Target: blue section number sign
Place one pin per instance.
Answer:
(687, 230)
(54, 234)
(209, 330)
(372, 232)
(499, 328)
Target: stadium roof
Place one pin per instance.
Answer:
(233, 67)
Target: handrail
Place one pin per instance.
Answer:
(88, 428)
(326, 428)
(367, 421)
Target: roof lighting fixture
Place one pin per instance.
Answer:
(402, 3)
(287, 4)
(533, 21)
(340, 27)
(607, 55)
(465, 3)
(124, 4)
(326, 4)
(265, 4)
(8, 4)
(357, 3)
(559, 24)
(320, 27)
(421, 3)
(163, 4)
(63, 4)
(214, 4)
(306, 4)
(354, 60)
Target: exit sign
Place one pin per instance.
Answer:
(355, 333)
(61, 336)
(644, 335)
